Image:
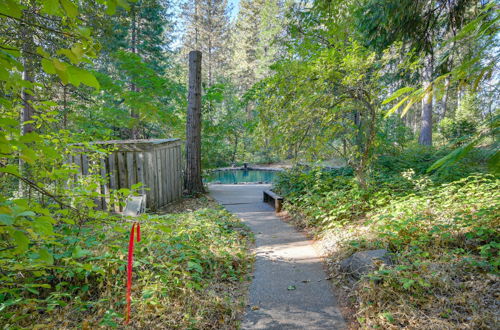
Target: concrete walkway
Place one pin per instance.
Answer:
(289, 290)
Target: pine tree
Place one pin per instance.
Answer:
(207, 29)
(254, 35)
(137, 37)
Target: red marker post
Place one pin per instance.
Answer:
(136, 227)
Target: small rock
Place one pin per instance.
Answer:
(364, 262)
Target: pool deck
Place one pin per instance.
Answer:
(290, 289)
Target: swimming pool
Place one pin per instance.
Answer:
(240, 176)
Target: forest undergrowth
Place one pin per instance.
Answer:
(442, 232)
(190, 271)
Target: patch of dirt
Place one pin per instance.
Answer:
(189, 204)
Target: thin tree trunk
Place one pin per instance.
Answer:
(194, 184)
(65, 107)
(135, 128)
(235, 149)
(460, 95)
(28, 65)
(445, 96)
(27, 112)
(425, 137)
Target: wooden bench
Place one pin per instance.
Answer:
(273, 199)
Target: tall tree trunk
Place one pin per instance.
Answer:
(194, 184)
(28, 75)
(445, 96)
(27, 112)
(460, 95)
(235, 149)
(425, 137)
(65, 107)
(135, 128)
(196, 26)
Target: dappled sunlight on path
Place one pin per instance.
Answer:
(289, 289)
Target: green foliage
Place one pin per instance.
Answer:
(156, 102)
(78, 276)
(225, 126)
(441, 229)
(442, 216)
(457, 129)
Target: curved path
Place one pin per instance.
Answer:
(289, 289)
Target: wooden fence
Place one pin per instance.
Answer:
(157, 163)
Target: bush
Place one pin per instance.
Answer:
(187, 272)
(442, 230)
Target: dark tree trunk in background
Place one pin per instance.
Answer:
(27, 112)
(194, 184)
(425, 137)
(134, 134)
(445, 96)
(28, 49)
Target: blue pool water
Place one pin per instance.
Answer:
(240, 176)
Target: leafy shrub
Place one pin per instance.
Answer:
(180, 266)
(442, 230)
(453, 130)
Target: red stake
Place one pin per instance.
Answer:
(129, 265)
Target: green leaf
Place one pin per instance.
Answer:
(21, 241)
(46, 256)
(26, 214)
(396, 107)
(494, 163)
(388, 317)
(42, 52)
(11, 169)
(50, 7)
(30, 137)
(454, 156)
(4, 74)
(6, 219)
(78, 252)
(61, 70)
(35, 291)
(43, 226)
(89, 79)
(408, 283)
(124, 4)
(77, 51)
(398, 93)
(10, 8)
(78, 76)
(69, 54)
(195, 266)
(111, 7)
(70, 8)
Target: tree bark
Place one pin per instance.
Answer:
(27, 111)
(194, 184)
(445, 96)
(425, 137)
(135, 128)
(28, 68)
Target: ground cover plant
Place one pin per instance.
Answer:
(442, 232)
(190, 270)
